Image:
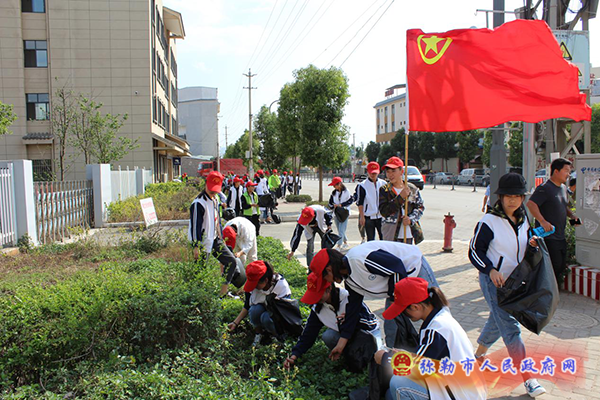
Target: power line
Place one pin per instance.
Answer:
(363, 25)
(367, 34)
(262, 34)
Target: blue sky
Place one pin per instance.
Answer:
(275, 37)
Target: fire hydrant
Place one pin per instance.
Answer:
(449, 225)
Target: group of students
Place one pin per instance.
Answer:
(400, 274)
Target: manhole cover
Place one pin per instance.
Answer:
(572, 320)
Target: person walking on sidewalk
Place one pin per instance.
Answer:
(205, 230)
(250, 205)
(496, 249)
(392, 199)
(340, 201)
(549, 205)
(368, 202)
(234, 197)
(361, 228)
(314, 221)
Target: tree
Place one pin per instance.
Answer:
(468, 143)
(267, 133)
(385, 153)
(81, 137)
(7, 117)
(109, 148)
(289, 126)
(426, 147)
(372, 151)
(596, 128)
(445, 146)
(239, 148)
(319, 97)
(62, 118)
(487, 147)
(515, 145)
(398, 145)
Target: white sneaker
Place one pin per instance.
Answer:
(533, 388)
(257, 339)
(362, 241)
(345, 247)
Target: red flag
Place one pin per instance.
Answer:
(477, 78)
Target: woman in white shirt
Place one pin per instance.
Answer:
(340, 197)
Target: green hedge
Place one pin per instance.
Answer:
(298, 198)
(152, 329)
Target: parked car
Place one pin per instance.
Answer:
(415, 177)
(361, 177)
(468, 175)
(482, 177)
(443, 178)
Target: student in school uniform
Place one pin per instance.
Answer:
(368, 202)
(250, 205)
(340, 197)
(314, 221)
(234, 197)
(262, 282)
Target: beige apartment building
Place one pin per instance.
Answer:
(390, 114)
(121, 53)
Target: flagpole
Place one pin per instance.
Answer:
(406, 181)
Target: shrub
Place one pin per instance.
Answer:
(298, 198)
(320, 203)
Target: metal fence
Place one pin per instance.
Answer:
(61, 206)
(8, 220)
(124, 183)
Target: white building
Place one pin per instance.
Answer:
(198, 111)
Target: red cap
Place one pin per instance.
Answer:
(372, 167)
(250, 183)
(406, 292)
(267, 172)
(315, 288)
(254, 271)
(394, 162)
(335, 181)
(236, 179)
(274, 171)
(306, 216)
(214, 181)
(229, 236)
(285, 172)
(260, 172)
(319, 263)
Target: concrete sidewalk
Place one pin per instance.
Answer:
(574, 330)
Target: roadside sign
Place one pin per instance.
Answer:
(176, 160)
(149, 212)
(575, 48)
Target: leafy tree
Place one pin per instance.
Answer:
(359, 152)
(398, 143)
(372, 151)
(468, 144)
(385, 153)
(426, 147)
(595, 127)
(62, 119)
(487, 147)
(95, 135)
(267, 133)
(239, 148)
(445, 146)
(515, 145)
(289, 126)
(108, 147)
(7, 117)
(319, 97)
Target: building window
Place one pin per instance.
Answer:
(36, 53)
(37, 106)
(393, 126)
(42, 170)
(386, 112)
(393, 109)
(36, 6)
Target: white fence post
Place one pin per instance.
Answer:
(24, 199)
(139, 181)
(101, 177)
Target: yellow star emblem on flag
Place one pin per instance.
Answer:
(432, 46)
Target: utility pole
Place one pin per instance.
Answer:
(497, 152)
(226, 144)
(249, 75)
(218, 149)
(353, 155)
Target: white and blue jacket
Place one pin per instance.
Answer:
(204, 221)
(368, 197)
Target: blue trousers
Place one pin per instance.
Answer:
(260, 318)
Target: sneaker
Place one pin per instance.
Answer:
(257, 339)
(362, 241)
(481, 359)
(345, 247)
(232, 296)
(533, 388)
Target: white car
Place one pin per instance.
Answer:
(415, 177)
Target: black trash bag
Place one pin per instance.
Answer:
(379, 380)
(359, 351)
(228, 214)
(239, 276)
(530, 294)
(360, 394)
(341, 213)
(285, 314)
(276, 218)
(267, 200)
(278, 192)
(329, 240)
(407, 337)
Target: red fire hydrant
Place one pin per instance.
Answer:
(449, 225)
